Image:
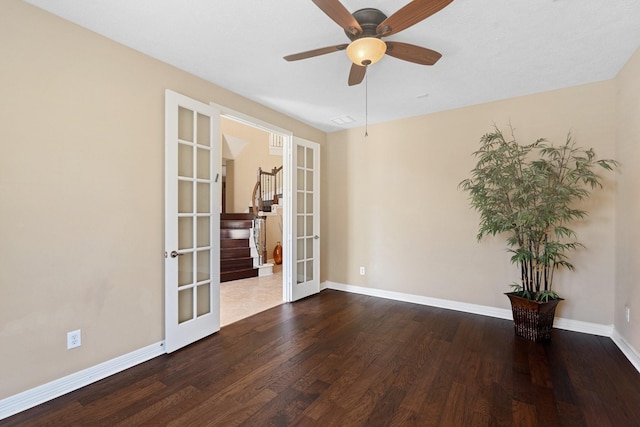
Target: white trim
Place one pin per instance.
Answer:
(287, 220)
(584, 327)
(501, 313)
(237, 116)
(627, 349)
(265, 269)
(45, 392)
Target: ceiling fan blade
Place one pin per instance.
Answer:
(356, 75)
(315, 52)
(414, 12)
(336, 11)
(412, 53)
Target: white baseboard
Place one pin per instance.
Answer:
(626, 349)
(43, 393)
(501, 313)
(484, 310)
(584, 327)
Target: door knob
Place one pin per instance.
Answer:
(175, 254)
(316, 237)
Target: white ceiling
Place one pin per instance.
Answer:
(492, 49)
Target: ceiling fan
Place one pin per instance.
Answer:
(366, 27)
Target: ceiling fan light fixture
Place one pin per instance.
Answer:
(366, 50)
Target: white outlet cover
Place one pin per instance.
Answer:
(74, 339)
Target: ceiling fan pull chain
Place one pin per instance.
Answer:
(366, 106)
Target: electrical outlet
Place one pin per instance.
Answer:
(627, 312)
(362, 271)
(74, 339)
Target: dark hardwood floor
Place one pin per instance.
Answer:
(352, 360)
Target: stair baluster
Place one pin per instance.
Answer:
(266, 191)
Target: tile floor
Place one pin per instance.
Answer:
(246, 297)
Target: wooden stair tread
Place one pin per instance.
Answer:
(236, 216)
(234, 243)
(230, 264)
(239, 252)
(227, 276)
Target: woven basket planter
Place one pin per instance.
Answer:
(533, 320)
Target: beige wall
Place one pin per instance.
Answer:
(274, 233)
(254, 154)
(391, 203)
(81, 193)
(230, 188)
(628, 202)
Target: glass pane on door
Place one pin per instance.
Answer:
(185, 269)
(204, 265)
(185, 305)
(204, 231)
(309, 271)
(185, 235)
(204, 299)
(204, 168)
(185, 156)
(185, 124)
(185, 196)
(300, 273)
(309, 248)
(309, 158)
(204, 130)
(204, 200)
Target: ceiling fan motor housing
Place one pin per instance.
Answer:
(369, 19)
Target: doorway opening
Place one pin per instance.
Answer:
(251, 279)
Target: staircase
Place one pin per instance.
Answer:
(267, 191)
(236, 261)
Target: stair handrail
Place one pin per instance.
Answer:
(266, 181)
(257, 203)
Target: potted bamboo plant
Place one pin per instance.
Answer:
(529, 193)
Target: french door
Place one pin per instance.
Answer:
(302, 267)
(192, 220)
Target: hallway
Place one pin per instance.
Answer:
(246, 297)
